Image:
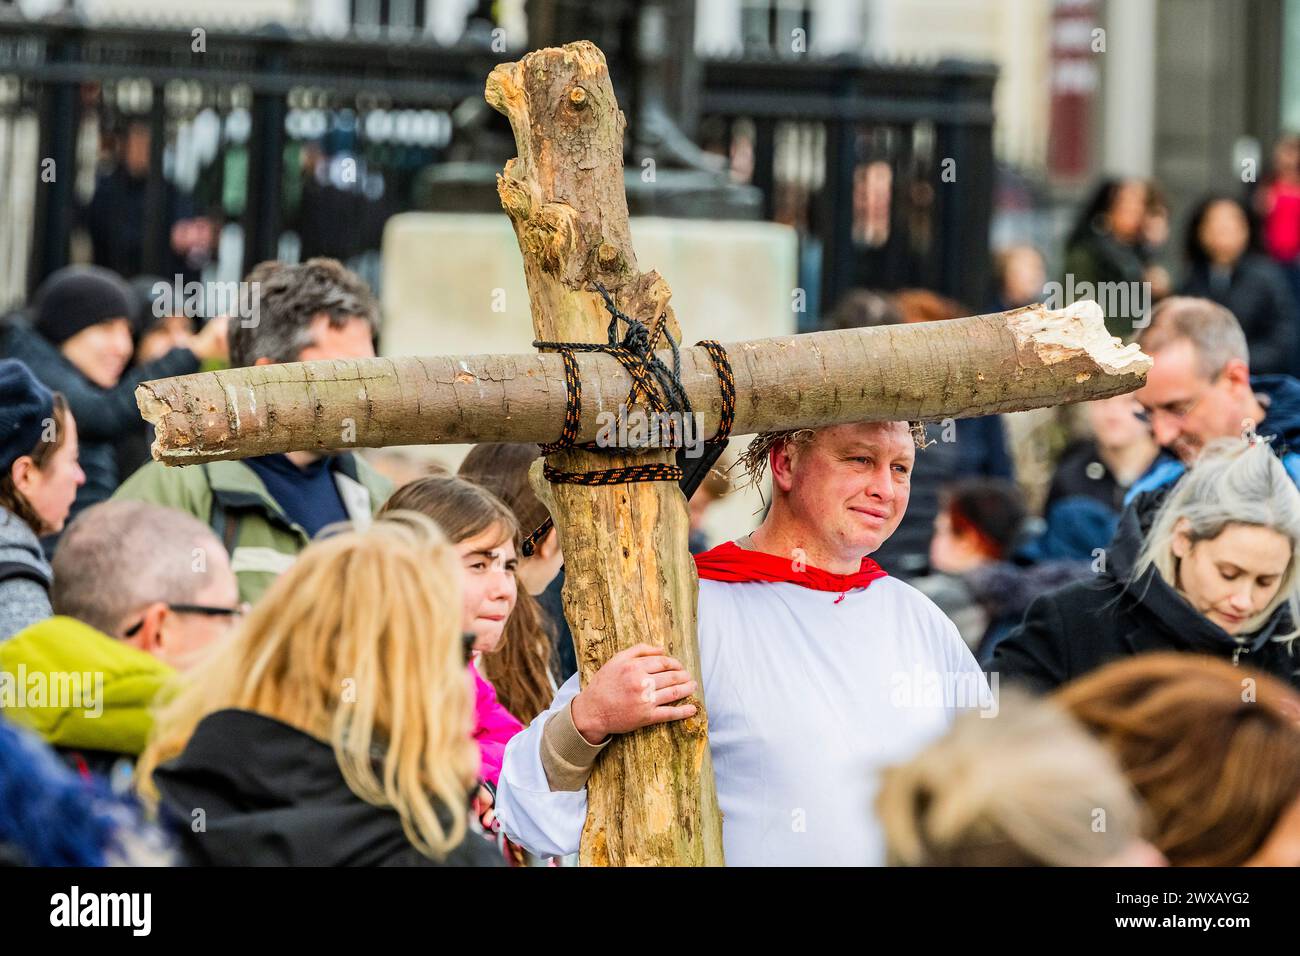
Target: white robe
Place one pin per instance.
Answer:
(807, 699)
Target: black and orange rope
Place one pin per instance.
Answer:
(726, 384)
(572, 405)
(652, 471)
(652, 381)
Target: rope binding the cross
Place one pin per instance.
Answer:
(655, 384)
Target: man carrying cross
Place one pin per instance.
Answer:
(818, 668)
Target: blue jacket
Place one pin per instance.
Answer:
(52, 816)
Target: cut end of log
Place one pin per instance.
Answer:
(505, 90)
(1059, 335)
(154, 410)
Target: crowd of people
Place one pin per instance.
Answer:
(311, 659)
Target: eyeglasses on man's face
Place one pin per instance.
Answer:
(207, 610)
(1177, 410)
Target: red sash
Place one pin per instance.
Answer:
(732, 563)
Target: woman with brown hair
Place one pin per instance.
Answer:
(1213, 751)
(333, 727)
(39, 478)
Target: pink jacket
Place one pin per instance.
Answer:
(493, 727)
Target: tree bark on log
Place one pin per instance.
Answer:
(1003, 362)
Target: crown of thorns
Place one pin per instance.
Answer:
(753, 461)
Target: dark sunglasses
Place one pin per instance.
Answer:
(204, 609)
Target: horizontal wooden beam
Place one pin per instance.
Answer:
(1003, 362)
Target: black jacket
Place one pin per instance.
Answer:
(103, 415)
(116, 221)
(563, 656)
(1078, 628)
(271, 795)
(1256, 292)
(1005, 590)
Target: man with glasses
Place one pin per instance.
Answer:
(140, 592)
(1200, 389)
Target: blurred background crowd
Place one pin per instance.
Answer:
(931, 158)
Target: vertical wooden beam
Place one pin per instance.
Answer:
(629, 576)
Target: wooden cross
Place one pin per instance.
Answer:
(629, 576)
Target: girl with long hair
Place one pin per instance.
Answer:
(522, 670)
(483, 531)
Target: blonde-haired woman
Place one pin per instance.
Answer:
(1215, 574)
(1027, 787)
(334, 727)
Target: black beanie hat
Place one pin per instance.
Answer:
(77, 297)
(25, 404)
(143, 318)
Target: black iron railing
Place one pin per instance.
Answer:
(886, 171)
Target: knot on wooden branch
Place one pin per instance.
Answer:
(516, 197)
(550, 235)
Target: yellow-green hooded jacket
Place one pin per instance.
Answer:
(78, 688)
